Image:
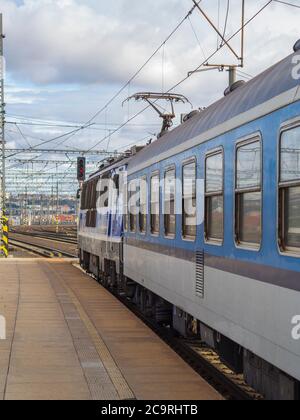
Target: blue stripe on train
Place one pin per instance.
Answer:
(269, 127)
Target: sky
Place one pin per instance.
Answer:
(66, 58)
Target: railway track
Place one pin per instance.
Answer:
(57, 237)
(45, 247)
(42, 251)
(201, 358)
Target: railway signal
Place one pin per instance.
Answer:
(81, 164)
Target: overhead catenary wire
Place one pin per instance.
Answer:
(23, 136)
(68, 125)
(154, 53)
(162, 45)
(226, 21)
(246, 74)
(84, 126)
(43, 142)
(228, 40)
(219, 15)
(69, 136)
(122, 125)
(243, 75)
(197, 38)
(190, 74)
(287, 3)
(143, 65)
(139, 113)
(50, 140)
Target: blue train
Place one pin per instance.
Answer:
(223, 261)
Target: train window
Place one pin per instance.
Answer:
(94, 194)
(88, 195)
(154, 204)
(214, 197)
(248, 195)
(125, 222)
(169, 203)
(290, 155)
(91, 192)
(83, 197)
(132, 206)
(189, 212)
(103, 191)
(87, 204)
(93, 215)
(143, 205)
(106, 197)
(289, 190)
(125, 206)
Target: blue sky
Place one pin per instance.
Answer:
(66, 58)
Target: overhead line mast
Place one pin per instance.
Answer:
(3, 219)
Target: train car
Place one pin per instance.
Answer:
(235, 266)
(223, 262)
(100, 224)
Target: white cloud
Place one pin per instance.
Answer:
(66, 42)
(55, 41)
(67, 58)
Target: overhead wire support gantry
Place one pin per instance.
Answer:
(12, 152)
(231, 68)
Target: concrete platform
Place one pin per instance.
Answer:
(70, 339)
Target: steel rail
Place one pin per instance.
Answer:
(44, 251)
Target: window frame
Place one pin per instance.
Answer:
(154, 175)
(185, 163)
(171, 168)
(93, 217)
(83, 197)
(125, 207)
(104, 204)
(211, 153)
(143, 232)
(253, 138)
(89, 191)
(282, 187)
(130, 230)
(94, 193)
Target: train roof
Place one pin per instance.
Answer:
(122, 161)
(271, 83)
(115, 163)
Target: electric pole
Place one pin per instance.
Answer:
(232, 75)
(3, 218)
(26, 207)
(57, 208)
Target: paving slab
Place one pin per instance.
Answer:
(70, 339)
